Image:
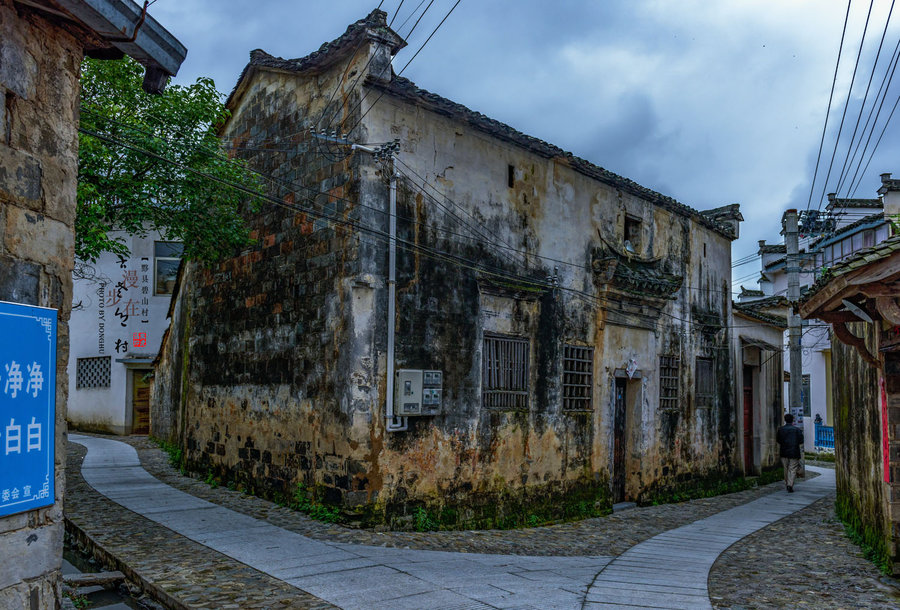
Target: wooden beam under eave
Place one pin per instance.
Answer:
(889, 310)
(847, 338)
(880, 289)
(825, 299)
(834, 317)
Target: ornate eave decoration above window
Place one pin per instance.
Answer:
(645, 280)
(489, 283)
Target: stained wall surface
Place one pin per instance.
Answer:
(39, 67)
(284, 360)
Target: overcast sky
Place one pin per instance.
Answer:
(710, 102)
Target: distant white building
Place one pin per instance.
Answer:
(846, 226)
(118, 319)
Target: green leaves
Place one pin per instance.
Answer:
(156, 163)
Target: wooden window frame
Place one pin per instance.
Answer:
(505, 372)
(578, 378)
(669, 381)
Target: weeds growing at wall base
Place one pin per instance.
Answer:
(868, 539)
(175, 453)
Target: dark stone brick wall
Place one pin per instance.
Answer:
(857, 432)
(39, 67)
(266, 367)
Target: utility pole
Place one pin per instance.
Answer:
(384, 154)
(792, 244)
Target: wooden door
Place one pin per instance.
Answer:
(748, 419)
(618, 482)
(140, 400)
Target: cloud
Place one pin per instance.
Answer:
(709, 102)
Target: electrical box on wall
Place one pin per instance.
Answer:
(418, 392)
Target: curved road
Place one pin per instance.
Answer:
(667, 571)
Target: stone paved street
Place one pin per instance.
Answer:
(843, 578)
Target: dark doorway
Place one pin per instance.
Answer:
(618, 482)
(140, 397)
(748, 419)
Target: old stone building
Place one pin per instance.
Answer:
(561, 334)
(41, 47)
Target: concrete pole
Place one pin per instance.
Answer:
(792, 244)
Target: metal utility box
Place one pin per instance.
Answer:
(418, 392)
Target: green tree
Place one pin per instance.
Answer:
(154, 162)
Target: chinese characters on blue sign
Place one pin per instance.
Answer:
(27, 407)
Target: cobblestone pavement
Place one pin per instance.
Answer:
(830, 573)
(187, 574)
(801, 561)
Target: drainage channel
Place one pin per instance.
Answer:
(111, 591)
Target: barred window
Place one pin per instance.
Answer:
(669, 381)
(705, 381)
(578, 377)
(92, 372)
(504, 372)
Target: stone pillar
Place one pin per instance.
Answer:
(39, 66)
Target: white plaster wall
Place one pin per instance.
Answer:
(109, 409)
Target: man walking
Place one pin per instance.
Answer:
(790, 439)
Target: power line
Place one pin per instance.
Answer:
(397, 12)
(433, 32)
(288, 185)
(862, 104)
(846, 104)
(837, 64)
(426, 251)
(415, 10)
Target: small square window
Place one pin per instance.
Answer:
(167, 257)
(92, 372)
(632, 233)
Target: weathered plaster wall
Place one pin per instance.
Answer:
(285, 353)
(558, 213)
(104, 323)
(39, 67)
(756, 345)
(171, 376)
(857, 434)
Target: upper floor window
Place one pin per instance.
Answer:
(166, 258)
(632, 233)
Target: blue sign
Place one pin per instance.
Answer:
(27, 407)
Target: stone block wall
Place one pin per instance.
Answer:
(39, 68)
(259, 339)
(859, 470)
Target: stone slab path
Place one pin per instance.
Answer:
(671, 570)
(667, 571)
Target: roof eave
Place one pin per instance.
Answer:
(115, 22)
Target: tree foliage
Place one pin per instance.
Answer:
(155, 163)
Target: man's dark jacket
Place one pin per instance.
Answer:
(790, 437)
